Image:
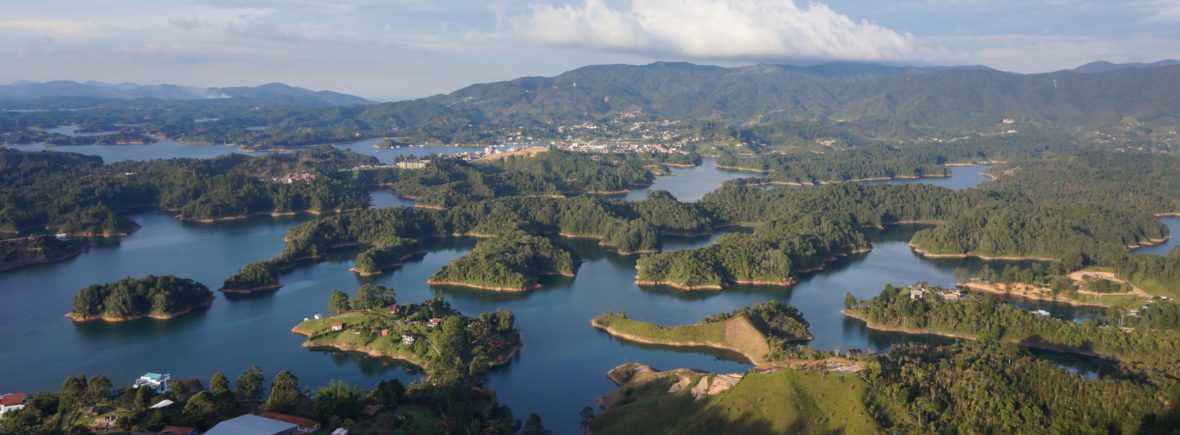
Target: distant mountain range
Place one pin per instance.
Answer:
(1103, 66)
(878, 100)
(268, 93)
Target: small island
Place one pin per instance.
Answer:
(430, 335)
(252, 278)
(755, 332)
(774, 254)
(156, 297)
(27, 251)
(387, 254)
(511, 262)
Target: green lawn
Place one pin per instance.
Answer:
(784, 401)
(712, 332)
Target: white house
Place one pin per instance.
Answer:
(11, 402)
(157, 382)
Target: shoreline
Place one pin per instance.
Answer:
(594, 323)
(995, 289)
(311, 344)
(273, 214)
(155, 316)
(787, 283)
(904, 330)
(920, 251)
(478, 287)
(251, 290)
(400, 261)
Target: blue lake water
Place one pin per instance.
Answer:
(561, 368)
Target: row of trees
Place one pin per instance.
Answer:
(335, 405)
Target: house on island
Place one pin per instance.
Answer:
(433, 322)
(250, 424)
(953, 294)
(407, 339)
(303, 425)
(159, 383)
(11, 402)
(337, 326)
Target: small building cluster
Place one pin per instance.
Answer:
(295, 177)
(920, 292)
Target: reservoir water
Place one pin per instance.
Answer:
(561, 368)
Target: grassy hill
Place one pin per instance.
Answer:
(783, 401)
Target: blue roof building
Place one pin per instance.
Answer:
(251, 424)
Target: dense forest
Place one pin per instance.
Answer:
(251, 278)
(998, 388)
(508, 262)
(153, 296)
(59, 192)
(446, 182)
(774, 253)
(987, 318)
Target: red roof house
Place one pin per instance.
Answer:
(306, 425)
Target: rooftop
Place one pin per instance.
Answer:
(298, 421)
(250, 424)
(12, 399)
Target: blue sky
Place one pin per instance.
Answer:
(411, 48)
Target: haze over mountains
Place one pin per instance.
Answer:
(877, 100)
(867, 99)
(271, 92)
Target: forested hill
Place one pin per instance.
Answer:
(946, 101)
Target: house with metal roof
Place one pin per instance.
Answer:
(251, 424)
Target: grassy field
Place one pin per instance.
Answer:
(712, 332)
(360, 337)
(784, 401)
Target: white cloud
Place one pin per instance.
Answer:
(1162, 10)
(714, 29)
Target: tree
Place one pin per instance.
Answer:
(338, 400)
(219, 386)
(98, 388)
(284, 393)
(200, 407)
(250, 384)
(178, 391)
(388, 393)
(533, 426)
(143, 398)
(849, 301)
(73, 390)
(587, 415)
(156, 420)
(338, 303)
(370, 296)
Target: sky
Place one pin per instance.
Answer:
(395, 49)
